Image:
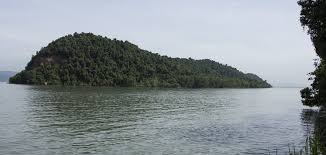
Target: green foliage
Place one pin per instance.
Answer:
(312, 147)
(87, 59)
(313, 17)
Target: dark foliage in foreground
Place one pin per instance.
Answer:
(87, 59)
(313, 17)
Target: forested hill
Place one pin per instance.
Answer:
(92, 60)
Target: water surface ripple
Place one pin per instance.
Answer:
(64, 120)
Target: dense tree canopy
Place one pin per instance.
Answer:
(87, 59)
(313, 17)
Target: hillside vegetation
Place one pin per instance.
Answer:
(92, 60)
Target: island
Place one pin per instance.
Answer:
(85, 59)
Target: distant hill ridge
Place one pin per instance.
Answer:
(85, 59)
(5, 75)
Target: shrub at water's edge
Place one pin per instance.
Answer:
(92, 60)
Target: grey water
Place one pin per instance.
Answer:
(97, 120)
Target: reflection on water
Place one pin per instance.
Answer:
(48, 120)
(308, 117)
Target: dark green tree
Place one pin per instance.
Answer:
(313, 17)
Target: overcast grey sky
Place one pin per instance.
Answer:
(259, 36)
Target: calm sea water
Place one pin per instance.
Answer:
(75, 120)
